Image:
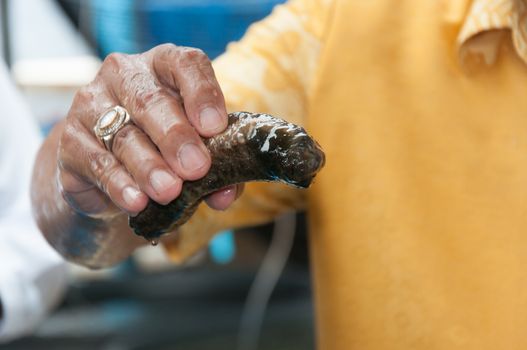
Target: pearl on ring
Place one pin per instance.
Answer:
(109, 123)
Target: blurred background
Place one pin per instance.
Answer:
(251, 288)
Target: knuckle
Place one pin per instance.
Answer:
(83, 95)
(127, 132)
(121, 138)
(146, 98)
(67, 140)
(143, 87)
(108, 180)
(192, 56)
(137, 78)
(83, 101)
(207, 91)
(114, 60)
(166, 48)
(68, 133)
(102, 165)
(164, 52)
(176, 130)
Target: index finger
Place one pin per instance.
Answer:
(189, 71)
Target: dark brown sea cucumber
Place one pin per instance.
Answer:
(254, 147)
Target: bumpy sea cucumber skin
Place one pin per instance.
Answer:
(254, 147)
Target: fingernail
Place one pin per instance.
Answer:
(191, 157)
(130, 195)
(161, 180)
(210, 119)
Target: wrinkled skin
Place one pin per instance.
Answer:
(147, 159)
(175, 102)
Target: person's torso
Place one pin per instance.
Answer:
(419, 219)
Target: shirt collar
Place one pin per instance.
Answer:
(487, 24)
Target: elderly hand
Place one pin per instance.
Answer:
(173, 100)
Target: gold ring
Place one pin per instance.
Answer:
(109, 123)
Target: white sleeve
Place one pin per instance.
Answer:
(32, 275)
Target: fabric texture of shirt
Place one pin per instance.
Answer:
(417, 223)
(32, 275)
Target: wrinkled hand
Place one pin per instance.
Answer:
(173, 98)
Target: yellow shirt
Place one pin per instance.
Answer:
(418, 222)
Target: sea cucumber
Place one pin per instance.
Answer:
(254, 147)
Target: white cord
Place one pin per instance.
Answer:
(265, 281)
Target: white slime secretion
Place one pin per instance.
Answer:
(254, 123)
